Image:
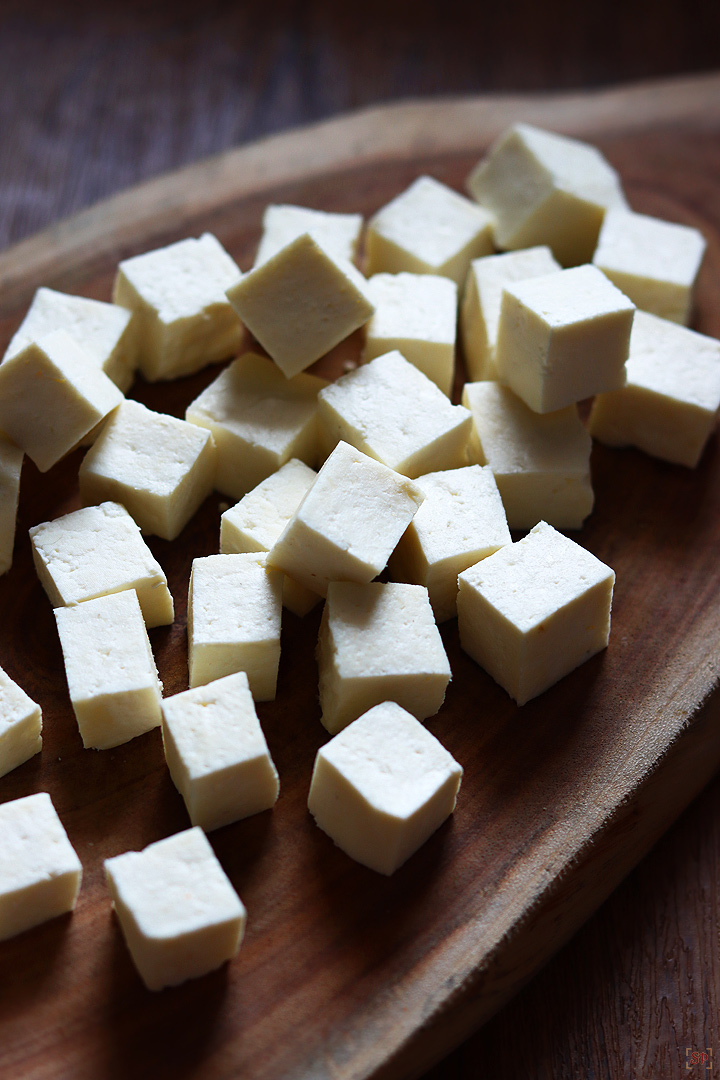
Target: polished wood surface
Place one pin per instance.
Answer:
(342, 973)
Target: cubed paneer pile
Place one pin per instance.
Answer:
(374, 496)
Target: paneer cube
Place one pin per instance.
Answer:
(382, 787)
(534, 611)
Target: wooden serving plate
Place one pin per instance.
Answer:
(343, 973)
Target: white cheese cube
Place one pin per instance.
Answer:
(178, 911)
(95, 551)
(105, 332)
(348, 523)
(20, 726)
(51, 396)
(259, 420)
(234, 611)
(669, 405)
(40, 873)
(394, 413)
(258, 520)
(461, 521)
(114, 687)
(544, 188)
(182, 317)
(379, 642)
(160, 468)
(534, 611)
(428, 229)
(417, 315)
(217, 754)
(11, 459)
(654, 262)
(382, 787)
(541, 461)
(301, 303)
(480, 311)
(338, 234)
(563, 337)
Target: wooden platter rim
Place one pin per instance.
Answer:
(445, 124)
(114, 226)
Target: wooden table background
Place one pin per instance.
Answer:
(97, 97)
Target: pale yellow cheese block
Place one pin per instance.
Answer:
(51, 397)
(301, 303)
(178, 911)
(415, 314)
(654, 262)
(563, 337)
(534, 611)
(95, 551)
(382, 786)
(379, 642)
(159, 467)
(482, 298)
(348, 523)
(461, 520)
(233, 623)
(541, 461)
(20, 725)
(105, 332)
(669, 405)
(394, 413)
(40, 873)
(217, 754)
(259, 419)
(183, 320)
(112, 679)
(545, 188)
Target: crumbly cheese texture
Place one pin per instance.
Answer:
(259, 419)
(541, 461)
(534, 611)
(217, 754)
(105, 332)
(382, 787)
(394, 413)
(428, 229)
(544, 188)
(563, 337)
(669, 405)
(40, 873)
(177, 909)
(114, 687)
(160, 468)
(417, 315)
(258, 520)
(338, 234)
(482, 298)
(654, 262)
(301, 303)
(461, 521)
(182, 317)
(20, 726)
(51, 396)
(11, 459)
(379, 642)
(348, 523)
(95, 551)
(234, 613)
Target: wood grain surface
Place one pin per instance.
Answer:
(343, 974)
(97, 97)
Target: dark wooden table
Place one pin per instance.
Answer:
(97, 97)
